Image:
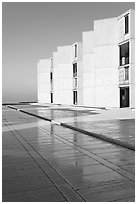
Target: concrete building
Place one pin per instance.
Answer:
(43, 80)
(88, 68)
(126, 42)
(98, 72)
(77, 73)
(62, 61)
(100, 64)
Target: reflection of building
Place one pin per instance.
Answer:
(97, 72)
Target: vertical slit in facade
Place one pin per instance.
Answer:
(51, 95)
(126, 24)
(76, 50)
(51, 89)
(75, 97)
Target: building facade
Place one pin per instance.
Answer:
(43, 80)
(97, 72)
(126, 43)
(62, 80)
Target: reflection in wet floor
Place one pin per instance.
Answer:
(79, 159)
(117, 129)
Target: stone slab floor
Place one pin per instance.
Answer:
(44, 162)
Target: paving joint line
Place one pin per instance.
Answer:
(117, 169)
(97, 158)
(52, 168)
(75, 189)
(77, 194)
(99, 136)
(34, 159)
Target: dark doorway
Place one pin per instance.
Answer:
(51, 96)
(124, 97)
(75, 97)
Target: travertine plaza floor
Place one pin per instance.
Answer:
(45, 162)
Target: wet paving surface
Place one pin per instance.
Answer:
(46, 162)
(123, 130)
(118, 129)
(54, 113)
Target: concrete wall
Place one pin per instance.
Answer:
(55, 77)
(88, 71)
(121, 23)
(106, 61)
(43, 70)
(130, 36)
(63, 83)
(80, 83)
(63, 61)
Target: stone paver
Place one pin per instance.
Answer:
(113, 123)
(117, 129)
(51, 163)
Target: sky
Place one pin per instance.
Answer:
(33, 30)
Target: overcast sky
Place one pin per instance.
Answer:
(32, 31)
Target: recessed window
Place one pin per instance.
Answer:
(124, 54)
(126, 73)
(126, 24)
(74, 69)
(75, 50)
(75, 82)
(75, 97)
(51, 76)
(51, 97)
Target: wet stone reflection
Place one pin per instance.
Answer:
(59, 164)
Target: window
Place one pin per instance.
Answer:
(51, 97)
(126, 73)
(51, 76)
(126, 24)
(124, 54)
(75, 82)
(76, 50)
(74, 97)
(75, 70)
